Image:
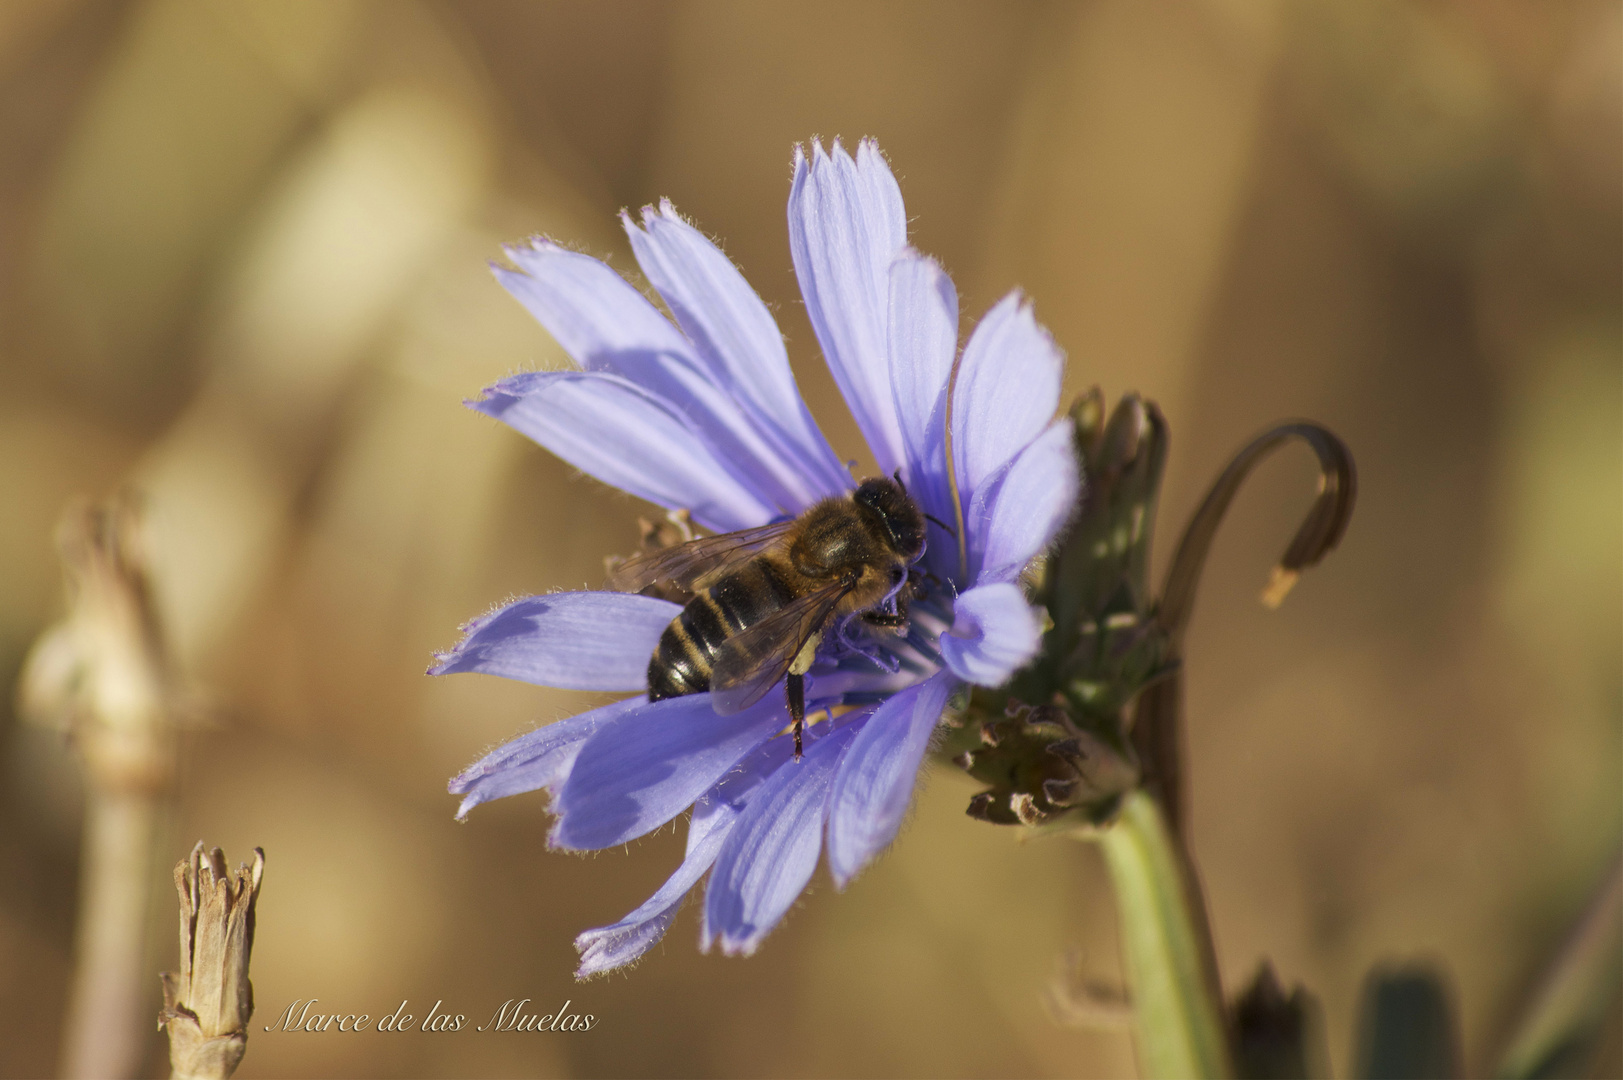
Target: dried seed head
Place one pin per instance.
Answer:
(206, 1007)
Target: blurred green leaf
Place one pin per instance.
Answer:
(1406, 1027)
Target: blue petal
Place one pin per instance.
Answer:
(735, 336)
(645, 767)
(612, 429)
(540, 759)
(846, 225)
(772, 850)
(573, 640)
(713, 817)
(596, 315)
(607, 326)
(1006, 392)
(994, 633)
(619, 944)
(923, 343)
(875, 781)
(1030, 504)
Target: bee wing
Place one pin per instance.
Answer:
(751, 662)
(684, 564)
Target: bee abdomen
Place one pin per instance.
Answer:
(675, 669)
(688, 647)
(746, 596)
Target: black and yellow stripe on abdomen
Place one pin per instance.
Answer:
(681, 664)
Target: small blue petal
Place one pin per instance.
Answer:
(923, 343)
(846, 225)
(643, 768)
(1006, 392)
(627, 437)
(540, 759)
(614, 946)
(876, 778)
(575, 640)
(994, 633)
(713, 817)
(1030, 503)
(772, 850)
(734, 335)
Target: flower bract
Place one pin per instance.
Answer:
(698, 411)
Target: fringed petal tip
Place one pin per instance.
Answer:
(727, 945)
(867, 153)
(571, 640)
(621, 946)
(623, 943)
(494, 399)
(465, 806)
(517, 251)
(445, 660)
(649, 215)
(807, 161)
(540, 760)
(521, 258)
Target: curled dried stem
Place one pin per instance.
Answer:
(1157, 733)
(1321, 530)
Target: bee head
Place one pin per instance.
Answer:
(903, 522)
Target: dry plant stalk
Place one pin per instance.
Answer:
(101, 676)
(207, 1006)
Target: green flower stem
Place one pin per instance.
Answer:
(1178, 1016)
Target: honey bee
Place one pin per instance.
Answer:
(762, 599)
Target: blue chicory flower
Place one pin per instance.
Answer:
(702, 414)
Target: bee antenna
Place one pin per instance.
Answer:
(943, 524)
(897, 476)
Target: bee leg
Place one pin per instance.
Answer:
(796, 686)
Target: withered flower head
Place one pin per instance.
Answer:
(207, 1006)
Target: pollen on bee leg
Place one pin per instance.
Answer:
(806, 656)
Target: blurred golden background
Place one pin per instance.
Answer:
(242, 267)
